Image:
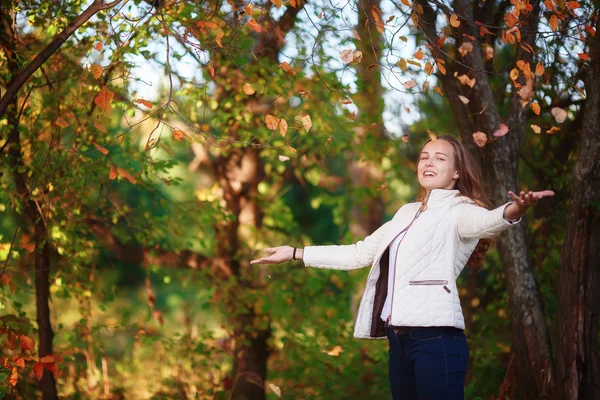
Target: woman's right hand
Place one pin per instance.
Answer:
(278, 255)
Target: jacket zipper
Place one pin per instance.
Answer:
(432, 282)
(421, 209)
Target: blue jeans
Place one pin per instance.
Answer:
(428, 363)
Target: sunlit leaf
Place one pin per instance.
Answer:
(535, 107)
(419, 55)
(463, 99)
(38, 370)
(144, 102)
(287, 68)
(255, 26)
(99, 126)
(283, 127)
(428, 68)
(275, 389)
(271, 121)
(573, 5)
(101, 149)
(502, 131)
(335, 351)
(283, 158)
(539, 69)
(559, 114)
(278, 3)
(113, 172)
(536, 129)
(98, 46)
(47, 359)
(248, 89)
(553, 130)
(584, 56)
(124, 174)
(96, 70)
(179, 135)
(306, 122)
(514, 74)
(554, 22)
(454, 21)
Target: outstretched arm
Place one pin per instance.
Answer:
(523, 202)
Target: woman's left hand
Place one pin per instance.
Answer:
(524, 201)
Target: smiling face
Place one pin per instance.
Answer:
(436, 168)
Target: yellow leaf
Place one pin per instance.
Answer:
(47, 359)
(96, 70)
(334, 352)
(539, 69)
(419, 55)
(411, 62)
(61, 122)
(554, 22)
(98, 46)
(283, 127)
(248, 89)
(454, 21)
(101, 149)
(271, 121)
(307, 122)
(428, 68)
(402, 64)
(535, 107)
(514, 74)
(144, 102)
(275, 389)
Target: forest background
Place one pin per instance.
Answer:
(150, 149)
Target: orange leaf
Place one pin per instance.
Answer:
(19, 361)
(554, 22)
(47, 359)
(14, 377)
(441, 41)
(255, 26)
(144, 102)
(514, 74)
(179, 134)
(584, 56)
(38, 370)
(553, 130)
(96, 70)
(428, 68)
(98, 46)
(27, 343)
(419, 55)
(103, 98)
(406, 3)
(293, 3)
(271, 121)
(113, 172)
(539, 69)
(573, 5)
(287, 68)
(480, 138)
(220, 35)
(437, 88)
(355, 34)
(61, 122)
(125, 174)
(278, 3)
(101, 149)
(5, 279)
(441, 68)
(248, 89)
(535, 107)
(99, 126)
(212, 71)
(454, 21)
(59, 358)
(283, 127)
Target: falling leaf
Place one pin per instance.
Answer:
(283, 158)
(554, 22)
(293, 3)
(179, 134)
(278, 3)
(406, 109)
(553, 130)
(432, 136)
(535, 107)
(334, 352)
(441, 68)
(103, 99)
(465, 48)
(419, 55)
(383, 186)
(144, 102)
(521, 64)
(346, 56)
(356, 56)
(439, 90)
(96, 70)
(480, 138)
(320, 14)
(463, 99)
(489, 51)
(559, 114)
(283, 127)
(38, 370)
(536, 129)
(98, 46)
(275, 390)
(212, 71)
(287, 68)
(355, 34)
(307, 122)
(410, 84)
(454, 21)
(573, 5)
(441, 41)
(27, 343)
(539, 69)
(14, 377)
(406, 3)
(248, 89)
(101, 149)
(255, 26)
(503, 130)
(220, 35)
(402, 64)
(464, 79)
(113, 172)
(124, 174)
(99, 126)
(61, 122)
(271, 121)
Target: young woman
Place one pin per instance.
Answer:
(411, 295)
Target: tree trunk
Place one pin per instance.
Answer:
(30, 208)
(577, 359)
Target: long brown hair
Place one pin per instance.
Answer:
(469, 185)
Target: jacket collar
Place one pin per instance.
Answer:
(438, 197)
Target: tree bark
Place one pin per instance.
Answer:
(577, 359)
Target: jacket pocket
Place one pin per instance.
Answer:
(431, 282)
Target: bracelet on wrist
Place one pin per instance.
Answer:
(294, 255)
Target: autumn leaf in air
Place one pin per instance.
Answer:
(535, 107)
(98, 46)
(503, 130)
(38, 370)
(553, 130)
(536, 129)
(409, 84)
(287, 68)
(96, 70)
(559, 114)
(306, 122)
(419, 55)
(113, 172)
(144, 102)
(454, 21)
(255, 26)
(101, 149)
(271, 121)
(179, 134)
(248, 89)
(124, 174)
(539, 69)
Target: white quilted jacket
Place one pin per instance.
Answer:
(431, 255)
